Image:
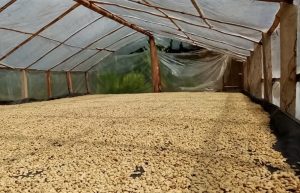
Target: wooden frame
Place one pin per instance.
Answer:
(48, 81)
(69, 82)
(155, 66)
(267, 67)
(24, 84)
(288, 45)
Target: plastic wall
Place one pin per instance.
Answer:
(78, 82)
(10, 85)
(37, 85)
(59, 85)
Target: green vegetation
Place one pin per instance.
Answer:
(133, 82)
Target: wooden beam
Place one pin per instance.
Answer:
(24, 84)
(169, 18)
(7, 5)
(69, 82)
(288, 46)
(255, 72)
(276, 23)
(200, 12)
(40, 30)
(108, 14)
(245, 76)
(49, 89)
(178, 19)
(267, 66)
(184, 13)
(155, 66)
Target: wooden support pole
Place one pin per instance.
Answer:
(86, 75)
(255, 72)
(155, 66)
(288, 45)
(69, 81)
(245, 76)
(267, 67)
(24, 84)
(49, 89)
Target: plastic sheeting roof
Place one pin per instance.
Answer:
(63, 35)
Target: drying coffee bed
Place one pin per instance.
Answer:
(173, 142)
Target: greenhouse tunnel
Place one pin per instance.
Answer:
(150, 95)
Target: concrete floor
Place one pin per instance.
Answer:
(173, 142)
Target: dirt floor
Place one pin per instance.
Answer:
(176, 142)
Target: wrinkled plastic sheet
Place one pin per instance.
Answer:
(200, 70)
(195, 71)
(78, 83)
(59, 85)
(10, 85)
(37, 85)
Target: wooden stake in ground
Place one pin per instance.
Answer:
(155, 66)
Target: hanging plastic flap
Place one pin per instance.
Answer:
(37, 85)
(59, 85)
(10, 85)
(195, 71)
(78, 83)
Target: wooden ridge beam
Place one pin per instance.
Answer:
(110, 15)
(41, 30)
